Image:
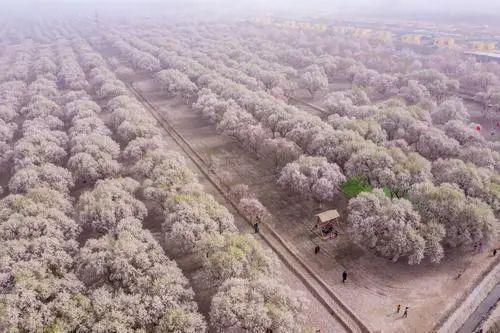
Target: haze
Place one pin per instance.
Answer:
(480, 11)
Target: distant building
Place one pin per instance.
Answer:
(339, 30)
(482, 46)
(412, 39)
(263, 21)
(319, 27)
(447, 42)
(361, 32)
(485, 56)
(304, 25)
(384, 36)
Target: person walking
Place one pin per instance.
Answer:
(405, 314)
(316, 249)
(344, 277)
(398, 308)
(256, 228)
(494, 252)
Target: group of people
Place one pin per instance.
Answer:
(405, 313)
(479, 248)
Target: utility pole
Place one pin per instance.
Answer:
(96, 18)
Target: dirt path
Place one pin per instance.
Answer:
(482, 311)
(296, 273)
(322, 311)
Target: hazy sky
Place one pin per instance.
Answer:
(449, 4)
(431, 4)
(376, 7)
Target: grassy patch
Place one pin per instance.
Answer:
(388, 192)
(354, 186)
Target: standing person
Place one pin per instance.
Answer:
(494, 252)
(405, 314)
(344, 277)
(316, 249)
(256, 228)
(398, 308)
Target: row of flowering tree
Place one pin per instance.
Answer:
(391, 145)
(193, 222)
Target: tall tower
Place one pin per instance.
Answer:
(96, 18)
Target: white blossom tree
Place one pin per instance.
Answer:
(46, 175)
(312, 178)
(138, 148)
(256, 306)
(313, 79)
(235, 256)
(281, 150)
(134, 285)
(374, 165)
(467, 221)
(434, 143)
(450, 109)
(389, 226)
(402, 123)
(38, 300)
(176, 82)
(41, 106)
(482, 157)
(110, 201)
(337, 102)
(7, 112)
(190, 216)
(414, 92)
(438, 84)
(464, 133)
(368, 128)
(253, 209)
(39, 147)
(337, 145)
(165, 174)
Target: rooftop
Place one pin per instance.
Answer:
(327, 215)
(492, 55)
